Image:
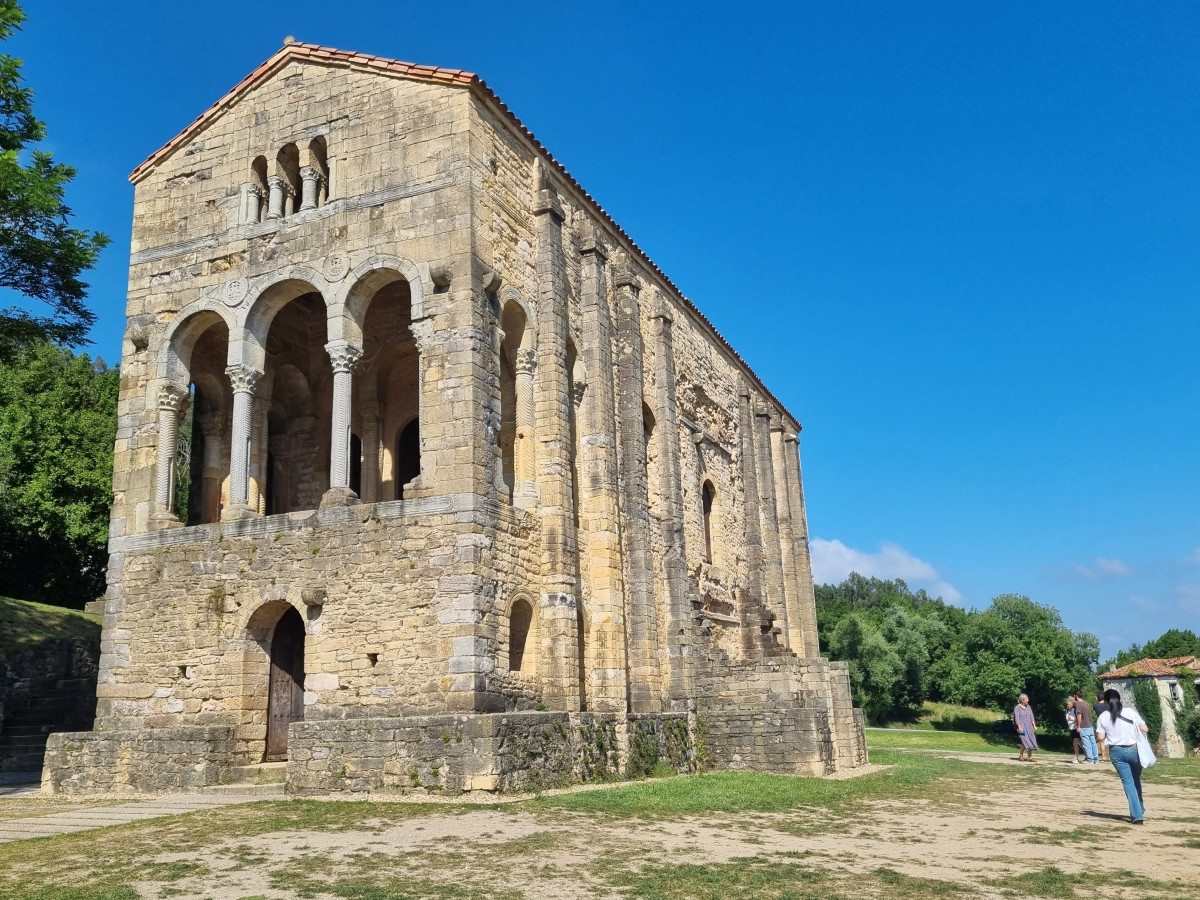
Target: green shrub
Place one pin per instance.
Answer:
(1146, 699)
(1188, 725)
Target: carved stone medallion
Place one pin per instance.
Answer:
(337, 265)
(235, 292)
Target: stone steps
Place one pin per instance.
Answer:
(263, 773)
(257, 791)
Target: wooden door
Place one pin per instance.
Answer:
(285, 700)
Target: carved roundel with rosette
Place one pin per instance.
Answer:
(337, 265)
(235, 292)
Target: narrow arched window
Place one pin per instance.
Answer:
(408, 456)
(708, 506)
(287, 167)
(519, 621)
(318, 158)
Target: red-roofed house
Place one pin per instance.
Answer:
(1177, 680)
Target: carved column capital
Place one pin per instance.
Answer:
(343, 355)
(255, 190)
(243, 378)
(526, 362)
(310, 173)
(279, 183)
(790, 437)
(171, 397)
(422, 331)
(578, 389)
(624, 276)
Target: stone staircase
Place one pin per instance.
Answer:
(265, 781)
(65, 705)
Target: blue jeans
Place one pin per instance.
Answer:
(1090, 750)
(1129, 767)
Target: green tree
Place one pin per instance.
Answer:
(41, 255)
(58, 418)
(876, 670)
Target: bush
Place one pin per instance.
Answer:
(1146, 699)
(1188, 725)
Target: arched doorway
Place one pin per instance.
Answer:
(285, 698)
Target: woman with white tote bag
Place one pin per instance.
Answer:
(1124, 731)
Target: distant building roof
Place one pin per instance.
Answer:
(1152, 666)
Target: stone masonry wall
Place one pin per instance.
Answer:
(493, 752)
(127, 763)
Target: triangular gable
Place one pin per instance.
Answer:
(294, 50)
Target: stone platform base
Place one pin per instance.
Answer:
(151, 761)
(452, 753)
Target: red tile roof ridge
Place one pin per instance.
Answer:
(1151, 665)
(302, 50)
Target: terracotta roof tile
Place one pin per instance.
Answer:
(453, 76)
(1152, 666)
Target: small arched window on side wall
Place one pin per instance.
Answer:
(408, 456)
(707, 501)
(519, 621)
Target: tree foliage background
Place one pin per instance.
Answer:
(1171, 643)
(57, 410)
(904, 648)
(57, 427)
(41, 255)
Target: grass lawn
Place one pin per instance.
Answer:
(616, 842)
(24, 625)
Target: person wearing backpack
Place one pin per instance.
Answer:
(1120, 729)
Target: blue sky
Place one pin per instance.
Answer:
(959, 241)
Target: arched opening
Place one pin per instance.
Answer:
(408, 456)
(285, 696)
(287, 167)
(516, 355)
(197, 354)
(257, 208)
(707, 495)
(296, 399)
(387, 387)
(318, 158)
(520, 620)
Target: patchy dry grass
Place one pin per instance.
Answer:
(24, 624)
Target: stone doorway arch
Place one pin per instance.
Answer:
(285, 693)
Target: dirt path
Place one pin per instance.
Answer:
(1070, 818)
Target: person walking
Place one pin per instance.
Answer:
(1087, 732)
(1119, 727)
(1073, 728)
(1099, 707)
(1026, 726)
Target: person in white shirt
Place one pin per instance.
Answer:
(1119, 727)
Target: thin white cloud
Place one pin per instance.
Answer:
(1101, 568)
(1146, 605)
(1189, 597)
(832, 561)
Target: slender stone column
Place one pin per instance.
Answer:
(525, 462)
(171, 398)
(212, 427)
(750, 497)
(775, 597)
(641, 615)
(372, 473)
(244, 380)
(345, 357)
(552, 411)
(254, 199)
(279, 191)
(310, 187)
(674, 560)
(787, 544)
(807, 596)
(607, 681)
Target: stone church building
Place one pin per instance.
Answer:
(475, 497)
